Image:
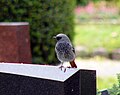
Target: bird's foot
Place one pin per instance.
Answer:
(69, 67)
(61, 67)
(65, 68)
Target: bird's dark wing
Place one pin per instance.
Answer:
(73, 49)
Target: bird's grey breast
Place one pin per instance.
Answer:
(63, 47)
(64, 51)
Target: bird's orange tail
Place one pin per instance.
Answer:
(73, 65)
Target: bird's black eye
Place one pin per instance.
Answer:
(58, 38)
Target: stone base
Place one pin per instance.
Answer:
(22, 79)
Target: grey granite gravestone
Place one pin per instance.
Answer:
(105, 92)
(28, 79)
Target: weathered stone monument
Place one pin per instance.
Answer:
(28, 79)
(15, 42)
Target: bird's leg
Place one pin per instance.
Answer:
(65, 70)
(61, 66)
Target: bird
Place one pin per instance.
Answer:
(64, 50)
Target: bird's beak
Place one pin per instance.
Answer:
(54, 37)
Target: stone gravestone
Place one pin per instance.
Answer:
(28, 79)
(105, 92)
(15, 42)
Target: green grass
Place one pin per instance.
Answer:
(106, 82)
(92, 36)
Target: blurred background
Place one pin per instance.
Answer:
(92, 25)
(97, 41)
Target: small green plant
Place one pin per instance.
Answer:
(115, 90)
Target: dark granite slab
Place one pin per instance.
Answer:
(27, 79)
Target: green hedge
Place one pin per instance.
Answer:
(46, 17)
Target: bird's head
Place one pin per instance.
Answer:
(61, 37)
